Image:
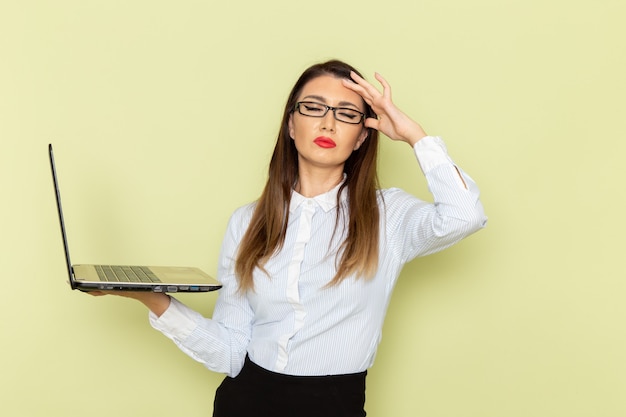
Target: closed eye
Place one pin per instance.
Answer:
(348, 113)
(314, 108)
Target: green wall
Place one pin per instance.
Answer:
(163, 116)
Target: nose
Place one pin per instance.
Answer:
(328, 121)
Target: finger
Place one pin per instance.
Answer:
(385, 84)
(356, 77)
(354, 87)
(359, 90)
(371, 90)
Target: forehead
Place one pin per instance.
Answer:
(331, 90)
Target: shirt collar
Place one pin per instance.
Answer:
(326, 201)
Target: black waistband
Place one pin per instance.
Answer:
(253, 368)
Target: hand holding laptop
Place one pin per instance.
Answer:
(156, 302)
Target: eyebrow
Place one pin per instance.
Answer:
(323, 100)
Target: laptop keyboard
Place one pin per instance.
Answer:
(125, 274)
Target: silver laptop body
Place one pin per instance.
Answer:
(129, 277)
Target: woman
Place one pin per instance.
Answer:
(308, 269)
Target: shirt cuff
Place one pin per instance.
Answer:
(431, 152)
(177, 322)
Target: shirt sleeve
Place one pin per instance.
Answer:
(220, 342)
(417, 228)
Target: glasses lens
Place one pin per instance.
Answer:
(348, 115)
(309, 108)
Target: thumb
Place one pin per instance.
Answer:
(372, 123)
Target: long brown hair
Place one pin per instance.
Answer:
(266, 233)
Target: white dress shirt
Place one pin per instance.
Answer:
(291, 323)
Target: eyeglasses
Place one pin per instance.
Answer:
(343, 114)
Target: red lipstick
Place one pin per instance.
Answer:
(324, 142)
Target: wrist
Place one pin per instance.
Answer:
(158, 303)
(416, 135)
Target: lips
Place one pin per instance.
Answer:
(324, 142)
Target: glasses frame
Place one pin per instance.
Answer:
(334, 109)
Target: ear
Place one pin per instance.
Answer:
(361, 139)
(290, 125)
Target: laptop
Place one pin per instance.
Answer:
(129, 277)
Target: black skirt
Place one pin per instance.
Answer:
(257, 392)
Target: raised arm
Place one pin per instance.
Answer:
(415, 227)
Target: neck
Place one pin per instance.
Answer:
(316, 182)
